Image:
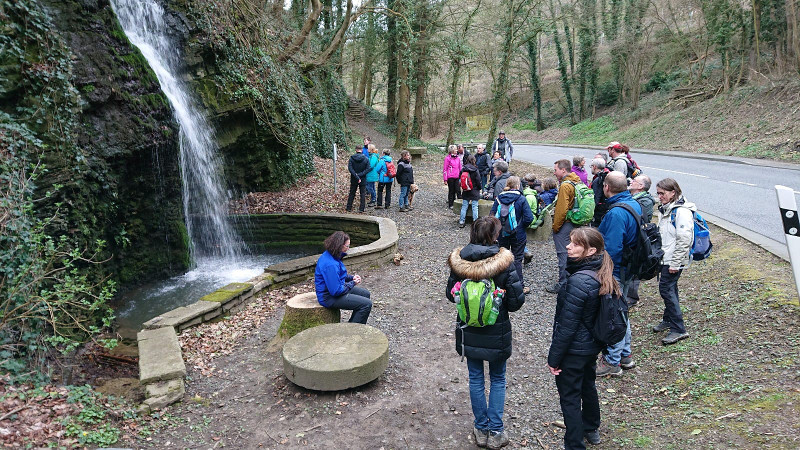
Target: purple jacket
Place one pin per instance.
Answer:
(452, 167)
(581, 174)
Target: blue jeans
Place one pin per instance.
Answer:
(403, 200)
(668, 288)
(371, 191)
(464, 205)
(487, 417)
(615, 353)
(356, 300)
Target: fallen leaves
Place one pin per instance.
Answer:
(201, 345)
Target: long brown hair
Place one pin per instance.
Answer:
(588, 237)
(334, 243)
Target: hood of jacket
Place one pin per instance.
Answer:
(509, 197)
(478, 261)
(529, 191)
(572, 177)
(591, 263)
(469, 168)
(624, 196)
(667, 209)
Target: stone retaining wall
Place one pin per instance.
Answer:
(377, 243)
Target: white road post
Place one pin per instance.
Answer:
(334, 167)
(791, 226)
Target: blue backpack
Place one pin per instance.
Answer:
(508, 218)
(701, 244)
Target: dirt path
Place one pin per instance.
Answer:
(735, 383)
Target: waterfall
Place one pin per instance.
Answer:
(205, 200)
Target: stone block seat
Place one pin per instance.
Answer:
(303, 311)
(417, 153)
(484, 208)
(336, 356)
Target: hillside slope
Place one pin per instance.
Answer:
(752, 121)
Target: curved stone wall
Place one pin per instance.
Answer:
(376, 242)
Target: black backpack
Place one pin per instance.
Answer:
(611, 322)
(643, 260)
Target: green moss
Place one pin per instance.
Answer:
(287, 330)
(227, 293)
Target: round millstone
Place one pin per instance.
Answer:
(336, 356)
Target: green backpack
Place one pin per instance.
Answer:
(582, 211)
(478, 302)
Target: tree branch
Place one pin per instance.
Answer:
(308, 25)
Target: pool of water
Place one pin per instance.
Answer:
(140, 304)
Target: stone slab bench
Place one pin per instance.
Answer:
(417, 153)
(336, 356)
(161, 367)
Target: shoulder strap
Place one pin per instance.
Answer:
(630, 209)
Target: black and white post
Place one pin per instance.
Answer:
(791, 226)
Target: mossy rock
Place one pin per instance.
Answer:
(227, 293)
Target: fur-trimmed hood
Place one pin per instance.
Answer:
(477, 261)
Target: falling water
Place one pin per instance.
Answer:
(204, 199)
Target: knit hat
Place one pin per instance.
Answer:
(501, 132)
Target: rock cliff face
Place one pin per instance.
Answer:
(270, 117)
(118, 161)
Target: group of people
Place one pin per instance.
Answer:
(591, 253)
(591, 263)
(367, 168)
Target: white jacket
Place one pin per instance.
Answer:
(676, 240)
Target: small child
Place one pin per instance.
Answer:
(550, 187)
(405, 178)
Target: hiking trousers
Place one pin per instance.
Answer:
(381, 187)
(357, 300)
(578, 395)
(517, 249)
(354, 184)
(453, 185)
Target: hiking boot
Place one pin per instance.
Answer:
(481, 437)
(592, 437)
(526, 290)
(497, 440)
(528, 257)
(632, 302)
(627, 362)
(371, 204)
(604, 369)
(674, 337)
(462, 224)
(403, 209)
(663, 326)
(553, 289)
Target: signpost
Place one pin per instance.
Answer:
(334, 167)
(791, 226)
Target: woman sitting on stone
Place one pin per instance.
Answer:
(335, 288)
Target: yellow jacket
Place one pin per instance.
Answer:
(564, 201)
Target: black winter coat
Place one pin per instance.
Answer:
(475, 193)
(405, 173)
(600, 205)
(358, 166)
(493, 342)
(576, 309)
(482, 161)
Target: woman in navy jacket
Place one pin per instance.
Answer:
(335, 288)
(517, 240)
(573, 351)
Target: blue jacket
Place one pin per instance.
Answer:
(548, 196)
(522, 209)
(372, 175)
(331, 279)
(619, 228)
(382, 178)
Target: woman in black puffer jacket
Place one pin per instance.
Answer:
(573, 352)
(483, 258)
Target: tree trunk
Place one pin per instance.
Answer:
(533, 55)
(562, 68)
(500, 88)
(391, 63)
(309, 24)
(303, 312)
(403, 69)
(455, 69)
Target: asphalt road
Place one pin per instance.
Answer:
(742, 194)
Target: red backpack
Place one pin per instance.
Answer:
(391, 170)
(466, 181)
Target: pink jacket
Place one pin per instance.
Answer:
(452, 167)
(581, 173)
